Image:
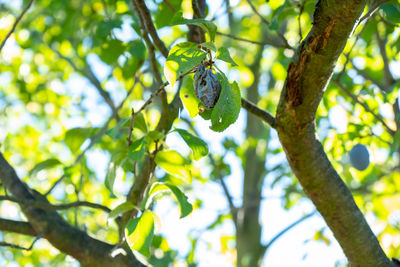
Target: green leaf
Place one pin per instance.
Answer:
(182, 58)
(110, 176)
(137, 49)
(104, 28)
(111, 50)
(198, 146)
(210, 46)
(223, 54)
(165, 13)
(140, 123)
(47, 164)
(114, 132)
(121, 208)
(188, 98)
(173, 163)
(206, 25)
(136, 150)
(227, 109)
(139, 233)
(75, 137)
(184, 205)
(392, 12)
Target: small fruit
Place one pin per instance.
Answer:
(359, 157)
(206, 86)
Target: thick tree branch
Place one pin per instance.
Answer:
(72, 241)
(308, 75)
(24, 228)
(15, 24)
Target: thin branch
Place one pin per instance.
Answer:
(365, 106)
(372, 10)
(144, 13)
(228, 196)
(15, 24)
(266, 22)
(388, 77)
(88, 73)
(93, 139)
(251, 41)
(47, 206)
(262, 114)
(5, 244)
(283, 231)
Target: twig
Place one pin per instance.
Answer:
(88, 73)
(93, 140)
(282, 232)
(228, 196)
(370, 12)
(365, 106)
(251, 41)
(48, 206)
(388, 77)
(262, 114)
(266, 22)
(5, 244)
(15, 24)
(148, 102)
(144, 13)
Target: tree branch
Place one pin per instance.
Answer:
(15, 24)
(262, 114)
(93, 139)
(24, 228)
(365, 106)
(74, 242)
(47, 206)
(307, 77)
(266, 22)
(144, 13)
(372, 10)
(287, 228)
(267, 42)
(88, 74)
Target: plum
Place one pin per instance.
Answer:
(359, 157)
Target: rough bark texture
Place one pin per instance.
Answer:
(68, 239)
(307, 77)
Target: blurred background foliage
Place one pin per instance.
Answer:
(70, 64)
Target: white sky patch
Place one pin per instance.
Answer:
(338, 118)
(394, 67)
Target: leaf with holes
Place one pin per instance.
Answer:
(227, 109)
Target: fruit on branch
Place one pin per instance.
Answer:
(359, 157)
(206, 86)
